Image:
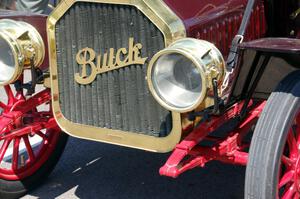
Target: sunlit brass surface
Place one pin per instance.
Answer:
(107, 62)
(47, 82)
(26, 44)
(209, 62)
(171, 27)
(295, 14)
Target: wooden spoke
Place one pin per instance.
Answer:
(2, 105)
(15, 158)
(287, 161)
(290, 192)
(297, 133)
(42, 135)
(4, 149)
(29, 149)
(292, 145)
(287, 177)
(9, 94)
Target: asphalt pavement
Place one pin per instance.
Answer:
(91, 170)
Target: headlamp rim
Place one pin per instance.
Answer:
(37, 39)
(18, 57)
(155, 94)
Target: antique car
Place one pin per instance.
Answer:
(205, 80)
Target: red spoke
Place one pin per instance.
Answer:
(4, 149)
(38, 99)
(42, 135)
(286, 161)
(298, 142)
(292, 144)
(2, 105)
(29, 149)
(9, 94)
(290, 192)
(287, 177)
(297, 120)
(297, 133)
(15, 158)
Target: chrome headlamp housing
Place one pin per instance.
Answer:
(180, 76)
(20, 47)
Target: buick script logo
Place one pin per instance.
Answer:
(92, 65)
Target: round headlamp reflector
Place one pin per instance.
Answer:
(21, 47)
(180, 76)
(177, 80)
(10, 69)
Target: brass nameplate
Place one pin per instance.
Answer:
(107, 62)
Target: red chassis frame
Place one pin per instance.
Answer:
(188, 154)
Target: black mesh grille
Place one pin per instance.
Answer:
(118, 99)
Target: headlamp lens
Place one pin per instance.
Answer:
(177, 80)
(7, 62)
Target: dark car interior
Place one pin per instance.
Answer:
(283, 18)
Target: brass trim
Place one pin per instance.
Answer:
(26, 44)
(194, 50)
(199, 69)
(87, 56)
(47, 82)
(34, 46)
(171, 27)
(295, 14)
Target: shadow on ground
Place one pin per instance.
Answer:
(93, 170)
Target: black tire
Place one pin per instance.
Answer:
(270, 137)
(17, 189)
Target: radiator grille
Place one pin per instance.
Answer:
(118, 99)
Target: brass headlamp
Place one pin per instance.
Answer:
(180, 76)
(21, 46)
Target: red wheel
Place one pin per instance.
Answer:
(289, 172)
(30, 141)
(273, 169)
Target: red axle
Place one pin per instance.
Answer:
(228, 150)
